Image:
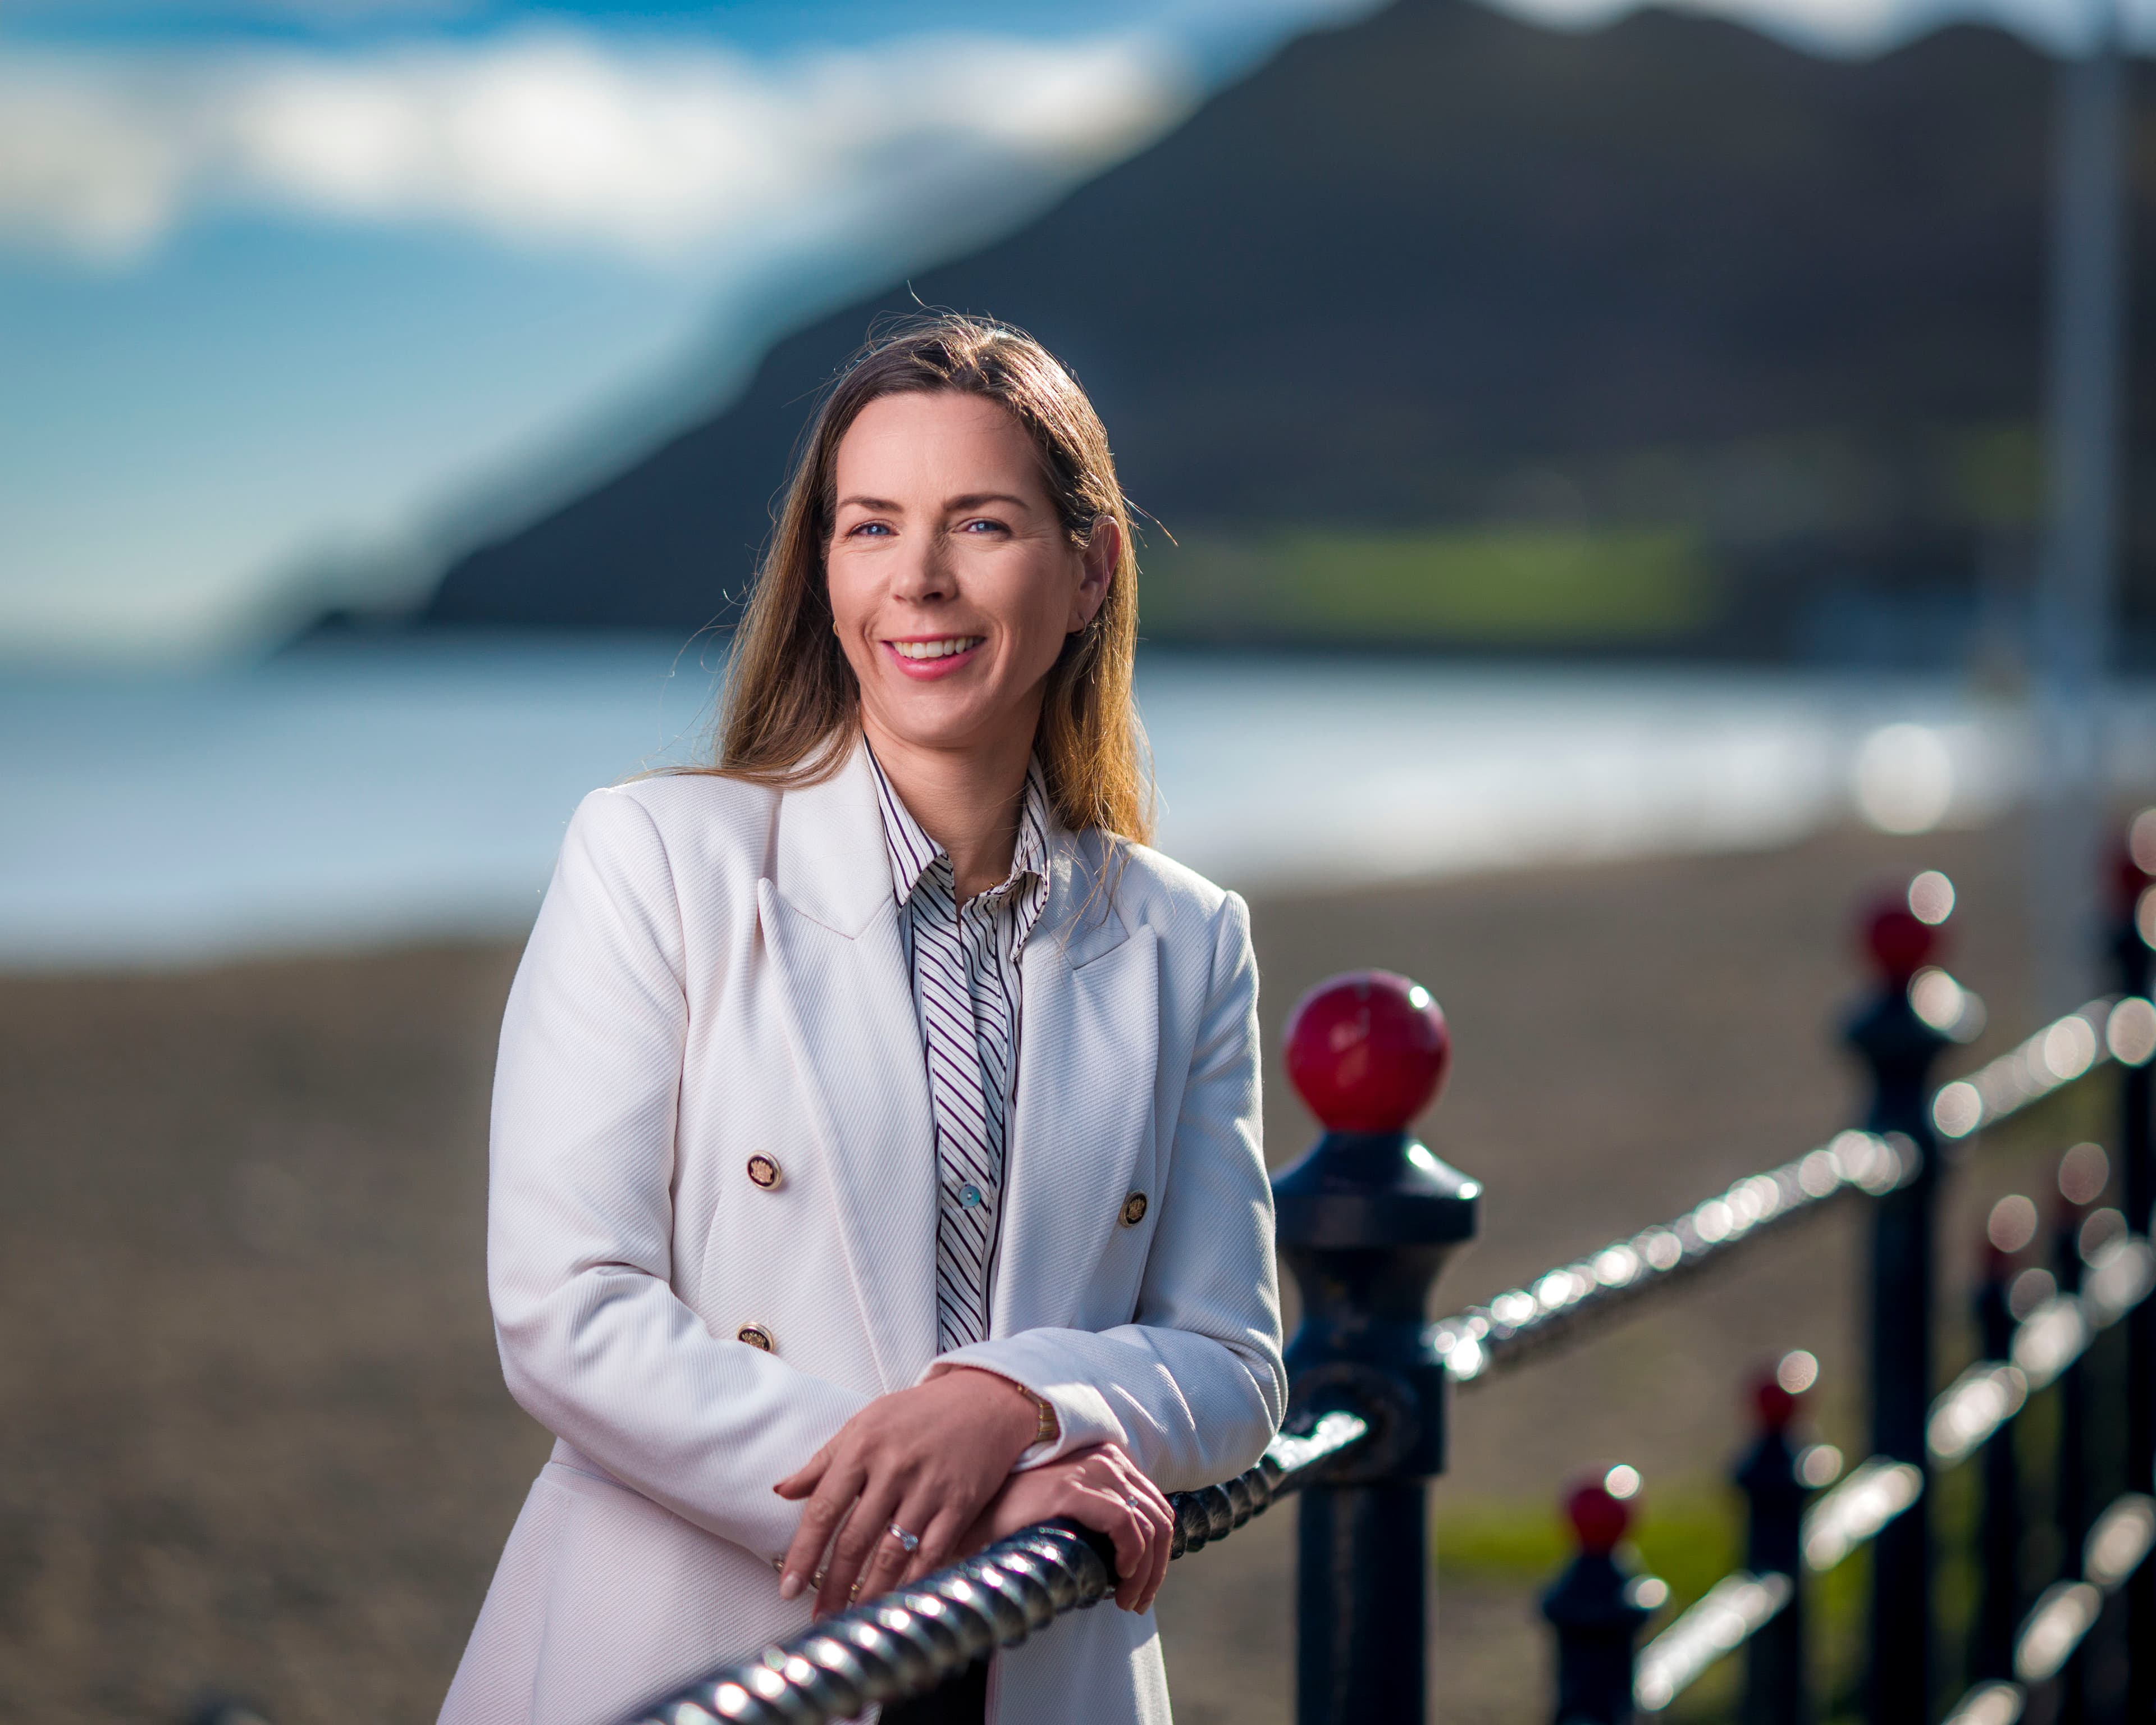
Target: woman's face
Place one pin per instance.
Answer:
(953, 581)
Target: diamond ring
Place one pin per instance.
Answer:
(912, 1542)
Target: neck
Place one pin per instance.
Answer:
(966, 799)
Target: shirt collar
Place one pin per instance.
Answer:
(912, 851)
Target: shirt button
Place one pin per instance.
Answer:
(1134, 1210)
(756, 1336)
(969, 1196)
(765, 1171)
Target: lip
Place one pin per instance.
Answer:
(928, 670)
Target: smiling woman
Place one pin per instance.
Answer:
(1039, 527)
(877, 1161)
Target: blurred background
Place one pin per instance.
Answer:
(1619, 483)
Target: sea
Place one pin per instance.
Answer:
(349, 794)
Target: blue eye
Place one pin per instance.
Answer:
(871, 527)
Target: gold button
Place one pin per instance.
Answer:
(1134, 1210)
(764, 1172)
(756, 1336)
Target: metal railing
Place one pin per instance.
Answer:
(2052, 1633)
(1571, 1299)
(1977, 1407)
(908, 1642)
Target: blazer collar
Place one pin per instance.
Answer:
(1081, 921)
(833, 865)
(832, 861)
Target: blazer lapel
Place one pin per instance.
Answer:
(832, 931)
(1088, 1046)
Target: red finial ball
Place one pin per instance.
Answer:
(1900, 942)
(2130, 877)
(1366, 1051)
(1597, 1514)
(1777, 1406)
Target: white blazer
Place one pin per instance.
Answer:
(715, 975)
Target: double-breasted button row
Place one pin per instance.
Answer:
(765, 1171)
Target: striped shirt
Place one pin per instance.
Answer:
(964, 964)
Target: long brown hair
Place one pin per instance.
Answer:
(792, 704)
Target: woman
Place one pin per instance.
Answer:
(875, 1149)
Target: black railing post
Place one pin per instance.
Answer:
(1366, 1221)
(2137, 1096)
(1597, 1608)
(1772, 1482)
(1999, 1602)
(2070, 1494)
(1899, 1047)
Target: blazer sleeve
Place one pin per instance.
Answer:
(1194, 1387)
(595, 1344)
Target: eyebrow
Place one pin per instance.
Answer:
(971, 500)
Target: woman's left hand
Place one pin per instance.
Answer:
(927, 1460)
(1100, 1488)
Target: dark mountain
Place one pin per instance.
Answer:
(1441, 267)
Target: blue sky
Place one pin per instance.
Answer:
(294, 292)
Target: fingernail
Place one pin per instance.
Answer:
(789, 1586)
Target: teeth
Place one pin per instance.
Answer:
(935, 650)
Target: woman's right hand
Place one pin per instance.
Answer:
(1100, 1488)
(927, 1460)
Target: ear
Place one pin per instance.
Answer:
(1097, 562)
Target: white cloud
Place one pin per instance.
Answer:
(545, 138)
(1860, 28)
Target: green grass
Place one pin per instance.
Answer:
(1687, 1535)
(1487, 586)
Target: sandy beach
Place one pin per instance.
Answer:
(254, 1441)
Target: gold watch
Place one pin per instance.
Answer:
(1049, 1427)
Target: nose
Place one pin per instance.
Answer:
(921, 574)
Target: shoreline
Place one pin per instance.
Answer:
(386, 800)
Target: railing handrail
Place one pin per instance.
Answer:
(2049, 1058)
(1520, 1322)
(1517, 1324)
(907, 1642)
